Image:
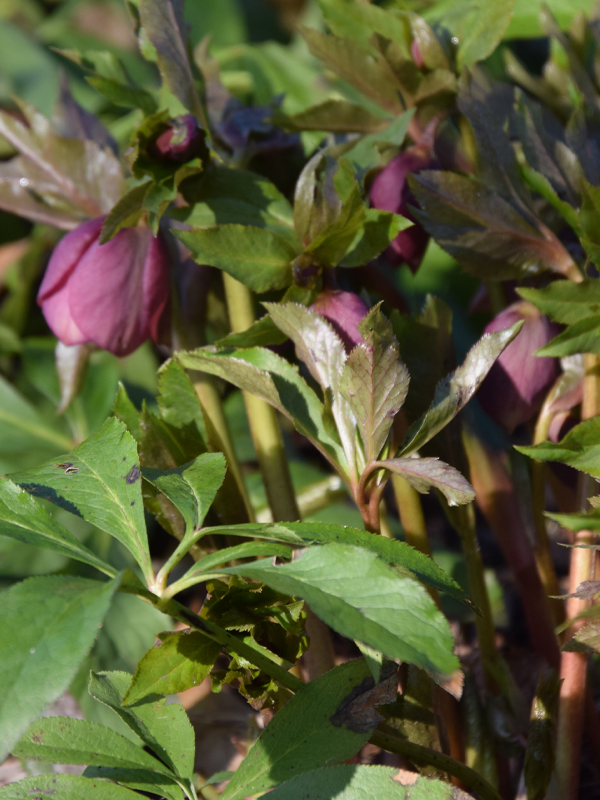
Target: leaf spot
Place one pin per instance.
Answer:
(133, 475)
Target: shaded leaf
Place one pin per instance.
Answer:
(455, 391)
(140, 780)
(165, 729)
(586, 640)
(334, 115)
(47, 627)
(332, 730)
(178, 661)
(22, 427)
(337, 582)
(66, 787)
(358, 782)
(24, 519)
(64, 740)
(256, 257)
(539, 755)
(365, 154)
(99, 480)
(426, 473)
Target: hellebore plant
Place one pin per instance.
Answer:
(368, 670)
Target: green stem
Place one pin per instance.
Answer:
(274, 468)
(388, 739)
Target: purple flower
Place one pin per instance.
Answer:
(112, 295)
(518, 382)
(390, 192)
(344, 310)
(181, 141)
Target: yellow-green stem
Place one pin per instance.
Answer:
(274, 468)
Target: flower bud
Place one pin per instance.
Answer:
(113, 295)
(518, 382)
(344, 310)
(417, 55)
(181, 141)
(390, 192)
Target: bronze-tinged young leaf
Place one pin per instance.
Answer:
(323, 352)
(586, 640)
(338, 712)
(256, 257)
(165, 27)
(375, 382)
(178, 661)
(486, 234)
(455, 391)
(424, 474)
(539, 756)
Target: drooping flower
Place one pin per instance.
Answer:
(344, 310)
(518, 382)
(113, 295)
(390, 192)
(181, 141)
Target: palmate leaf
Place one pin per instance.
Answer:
(99, 480)
(337, 581)
(424, 474)
(67, 787)
(63, 740)
(257, 257)
(347, 782)
(338, 716)
(270, 377)
(375, 382)
(178, 661)
(455, 391)
(393, 552)
(47, 627)
(166, 730)
(22, 517)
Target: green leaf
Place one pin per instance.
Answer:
(21, 427)
(24, 519)
(370, 74)
(99, 480)
(326, 721)
(337, 582)
(426, 473)
(63, 740)
(178, 661)
(525, 23)
(539, 755)
(204, 566)
(577, 522)
(586, 640)
(270, 377)
(455, 391)
(123, 95)
(164, 26)
(192, 487)
(126, 212)
(566, 302)
(66, 787)
(479, 25)
(487, 235)
(359, 21)
(391, 551)
(335, 115)
(580, 448)
(140, 780)
(365, 154)
(581, 337)
(375, 382)
(165, 729)
(377, 231)
(232, 196)
(356, 782)
(332, 242)
(47, 627)
(256, 257)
